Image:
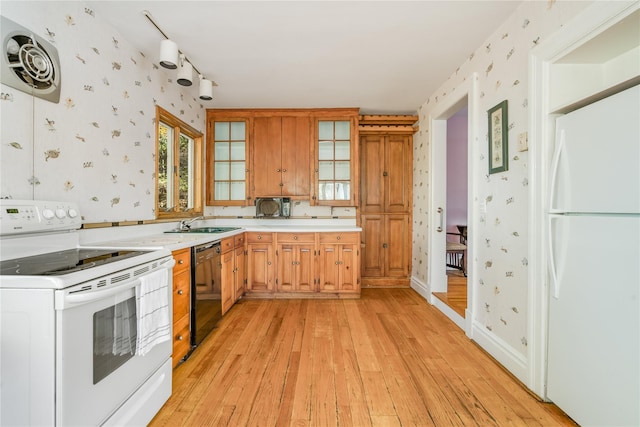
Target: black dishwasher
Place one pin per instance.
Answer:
(206, 307)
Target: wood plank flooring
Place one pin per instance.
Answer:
(386, 359)
(456, 295)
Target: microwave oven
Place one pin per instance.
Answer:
(273, 207)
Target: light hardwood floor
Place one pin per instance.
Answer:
(456, 295)
(386, 359)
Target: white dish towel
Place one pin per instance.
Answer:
(152, 303)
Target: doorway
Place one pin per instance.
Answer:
(452, 192)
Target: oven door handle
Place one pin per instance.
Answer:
(70, 300)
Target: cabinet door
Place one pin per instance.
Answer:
(287, 259)
(227, 157)
(329, 271)
(373, 252)
(348, 268)
(266, 147)
(371, 173)
(296, 155)
(306, 269)
(260, 274)
(240, 272)
(397, 173)
(227, 282)
(398, 241)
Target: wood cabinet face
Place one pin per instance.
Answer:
(339, 268)
(240, 272)
(260, 272)
(296, 267)
(386, 251)
(181, 305)
(281, 151)
(227, 280)
(386, 172)
(227, 161)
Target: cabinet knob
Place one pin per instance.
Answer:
(295, 237)
(385, 173)
(338, 238)
(259, 237)
(268, 262)
(384, 245)
(179, 337)
(277, 170)
(284, 170)
(180, 292)
(181, 261)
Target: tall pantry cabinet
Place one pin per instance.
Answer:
(386, 175)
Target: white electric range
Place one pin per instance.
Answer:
(80, 340)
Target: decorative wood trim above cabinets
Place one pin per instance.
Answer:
(388, 124)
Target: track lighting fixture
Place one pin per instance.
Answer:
(172, 58)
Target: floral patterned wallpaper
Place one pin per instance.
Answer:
(97, 145)
(501, 63)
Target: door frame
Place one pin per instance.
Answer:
(464, 94)
(595, 19)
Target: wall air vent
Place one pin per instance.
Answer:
(29, 63)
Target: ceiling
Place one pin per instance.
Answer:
(385, 57)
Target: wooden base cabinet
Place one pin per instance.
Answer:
(308, 265)
(232, 270)
(261, 262)
(181, 304)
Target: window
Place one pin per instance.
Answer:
(228, 159)
(334, 160)
(179, 168)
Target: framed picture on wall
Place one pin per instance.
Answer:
(498, 138)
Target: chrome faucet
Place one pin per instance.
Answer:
(185, 224)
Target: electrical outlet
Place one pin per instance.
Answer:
(523, 141)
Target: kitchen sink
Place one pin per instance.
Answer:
(211, 230)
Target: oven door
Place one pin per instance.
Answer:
(97, 368)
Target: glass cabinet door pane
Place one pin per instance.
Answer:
(325, 170)
(221, 150)
(221, 131)
(221, 190)
(325, 130)
(237, 171)
(325, 191)
(343, 190)
(343, 130)
(325, 150)
(237, 151)
(237, 131)
(342, 150)
(237, 191)
(221, 171)
(343, 170)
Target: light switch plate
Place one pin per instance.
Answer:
(523, 141)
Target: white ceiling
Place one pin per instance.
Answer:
(381, 56)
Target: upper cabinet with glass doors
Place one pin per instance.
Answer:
(227, 154)
(336, 168)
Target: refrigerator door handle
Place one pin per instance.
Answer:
(552, 259)
(555, 165)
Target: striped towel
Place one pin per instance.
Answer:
(152, 303)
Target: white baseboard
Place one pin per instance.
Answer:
(507, 356)
(421, 288)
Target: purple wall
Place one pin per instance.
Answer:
(457, 170)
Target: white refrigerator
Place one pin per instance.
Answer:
(594, 263)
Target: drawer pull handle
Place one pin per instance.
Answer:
(180, 292)
(338, 238)
(181, 261)
(259, 237)
(179, 337)
(295, 237)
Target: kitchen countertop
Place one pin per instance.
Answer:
(177, 241)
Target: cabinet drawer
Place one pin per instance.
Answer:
(350, 237)
(181, 295)
(259, 237)
(296, 237)
(181, 339)
(227, 244)
(183, 259)
(239, 240)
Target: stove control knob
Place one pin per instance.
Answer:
(47, 213)
(72, 213)
(60, 213)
